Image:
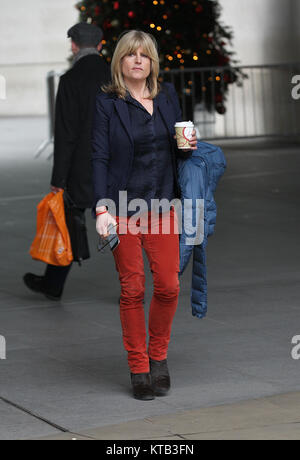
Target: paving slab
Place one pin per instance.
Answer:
(16, 424)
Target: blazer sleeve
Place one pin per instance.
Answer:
(100, 150)
(178, 113)
(66, 131)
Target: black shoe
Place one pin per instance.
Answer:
(36, 284)
(161, 382)
(141, 385)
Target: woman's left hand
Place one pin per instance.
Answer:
(193, 142)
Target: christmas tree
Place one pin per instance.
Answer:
(190, 36)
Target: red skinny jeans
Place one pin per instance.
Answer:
(162, 251)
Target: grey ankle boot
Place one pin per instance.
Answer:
(141, 385)
(161, 382)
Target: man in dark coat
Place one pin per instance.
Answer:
(72, 169)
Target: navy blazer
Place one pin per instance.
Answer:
(113, 146)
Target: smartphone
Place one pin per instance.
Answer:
(112, 240)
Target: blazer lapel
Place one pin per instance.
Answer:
(165, 108)
(167, 112)
(123, 112)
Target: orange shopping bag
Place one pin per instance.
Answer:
(52, 242)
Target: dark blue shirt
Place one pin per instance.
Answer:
(152, 175)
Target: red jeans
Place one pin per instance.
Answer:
(162, 251)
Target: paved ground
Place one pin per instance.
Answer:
(269, 418)
(66, 368)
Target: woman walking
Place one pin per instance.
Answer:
(134, 150)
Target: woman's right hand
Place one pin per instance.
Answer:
(103, 221)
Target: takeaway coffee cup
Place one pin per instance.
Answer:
(184, 132)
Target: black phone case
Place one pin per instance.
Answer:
(112, 239)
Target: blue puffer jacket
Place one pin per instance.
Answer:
(198, 179)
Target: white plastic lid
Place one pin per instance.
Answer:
(184, 124)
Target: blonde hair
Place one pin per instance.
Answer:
(127, 44)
